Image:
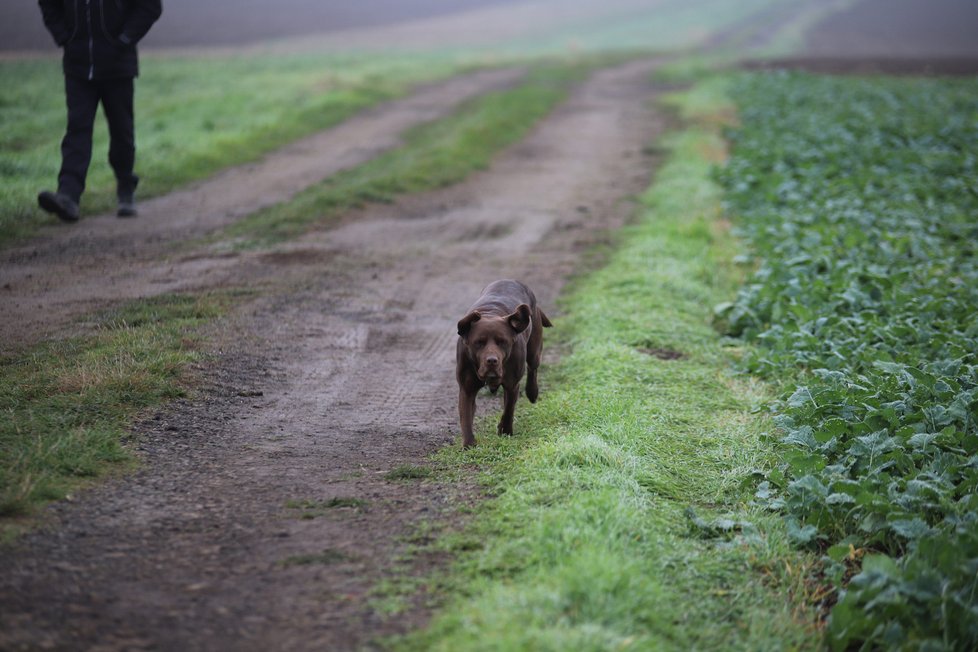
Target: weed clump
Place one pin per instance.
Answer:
(409, 472)
(310, 509)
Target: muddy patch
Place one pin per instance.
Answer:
(662, 354)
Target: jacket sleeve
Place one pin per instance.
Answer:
(142, 16)
(53, 14)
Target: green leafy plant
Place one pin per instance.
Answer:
(859, 199)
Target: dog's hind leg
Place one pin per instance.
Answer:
(532, 390)
(534, 351)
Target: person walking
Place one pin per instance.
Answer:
(99, 38)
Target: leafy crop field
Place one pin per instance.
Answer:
(859, 199)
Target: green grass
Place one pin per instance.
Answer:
(66, 405)
(790, 36)
(409, 472)
(620, 518)
(433, 155)
(194, 116)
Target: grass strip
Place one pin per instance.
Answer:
(194, 116)
(66, 405)
(859, 197)
(433, 155)
(620, 520)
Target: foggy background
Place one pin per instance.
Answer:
(899, 28)
(895, 28)
(236, 22)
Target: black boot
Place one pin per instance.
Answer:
(127, 198)
(59, 204)
(127, 206)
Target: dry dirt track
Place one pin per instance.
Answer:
(350, 348)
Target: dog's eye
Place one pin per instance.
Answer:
(480, 342)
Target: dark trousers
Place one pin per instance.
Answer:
(83, 97)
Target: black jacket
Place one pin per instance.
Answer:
(99, 36)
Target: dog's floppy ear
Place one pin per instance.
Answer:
(465, 323)
(520, 319)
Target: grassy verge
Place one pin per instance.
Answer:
(620, 518)
(66, 406)
(859, 197)
(194, 116)
(433, 155)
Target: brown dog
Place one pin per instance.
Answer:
(500, 336)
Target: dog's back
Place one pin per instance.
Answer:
(501, 298)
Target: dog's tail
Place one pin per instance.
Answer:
(543, 319)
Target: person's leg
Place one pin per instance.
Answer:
(117, 102)
(81, 97)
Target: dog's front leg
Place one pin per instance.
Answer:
(466, 414)
(509, 407)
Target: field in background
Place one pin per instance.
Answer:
(386, 24)
(208, 23)
(199, 114)
(195, 116)
(898, 29)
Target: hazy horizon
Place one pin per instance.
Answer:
(857, 28)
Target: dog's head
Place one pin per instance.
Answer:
(489, 341)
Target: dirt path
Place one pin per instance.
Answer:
(69, 270)
(339, 373)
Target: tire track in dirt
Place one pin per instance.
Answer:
(69, 270)
(351, 348)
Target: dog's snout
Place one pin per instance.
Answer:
(492, 361)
